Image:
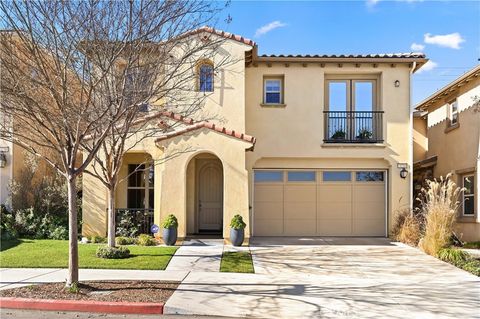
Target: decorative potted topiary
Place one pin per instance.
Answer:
(237, 230)
(339, 135)
(170, 225)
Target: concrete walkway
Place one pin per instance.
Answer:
(197, 255)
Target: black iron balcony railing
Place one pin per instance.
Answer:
(131, 222)
(353, 126)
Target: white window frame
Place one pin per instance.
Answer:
(472, 195)
(451, 113)
(273, 78)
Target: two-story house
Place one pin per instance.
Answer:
(447, 127)
(308, 145)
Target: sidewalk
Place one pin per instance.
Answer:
(198, 255)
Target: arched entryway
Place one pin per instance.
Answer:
(205, 194)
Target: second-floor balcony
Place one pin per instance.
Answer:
(353, 126)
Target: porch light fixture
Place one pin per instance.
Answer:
(397, 83)
(403, 169)
(3, 157)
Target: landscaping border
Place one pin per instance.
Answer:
(82, 305)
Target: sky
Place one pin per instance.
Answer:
(448, 32)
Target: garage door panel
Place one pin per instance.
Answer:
(300, 210)
(268, 227)
(300, 227)
(369, 227)
(268, 193)
(367, 193)
(266, 210)
(369, 209)
(334, 210)
(334, 193)
(300, 193)
(334, 227)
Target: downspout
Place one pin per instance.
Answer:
(410, 135)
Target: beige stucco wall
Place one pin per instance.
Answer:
(458, 149)
(292, 136)
(420, 140)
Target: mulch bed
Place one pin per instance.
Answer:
(126, 291)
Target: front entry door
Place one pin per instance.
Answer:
(210, 195)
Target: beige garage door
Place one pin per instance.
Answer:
(319, 203)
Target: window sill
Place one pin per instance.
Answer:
(353, 145)
(273, 105)
(452, 127)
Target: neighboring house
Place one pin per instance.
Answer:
(449, 122)
(307, 145)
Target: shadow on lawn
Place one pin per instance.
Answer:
(7, 244)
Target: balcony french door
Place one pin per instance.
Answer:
(355, 101)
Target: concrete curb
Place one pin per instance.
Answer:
(82, 305)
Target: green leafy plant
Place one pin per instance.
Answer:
(453, 255)
(146, 240)
(128, 225)
(125, 241)
(112, 252)
(74, 289)
(365, 134)
(98, 239)
(170, 222)
(7, 224)
(237, 222)
(59, 233)
(472, 245)
(472, 266)
(339, 135)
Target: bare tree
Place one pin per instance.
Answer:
(61, 61)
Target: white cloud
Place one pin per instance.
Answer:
(417, 47)
(451, 40)
(372, 3)
(429, 66)
(269, 27)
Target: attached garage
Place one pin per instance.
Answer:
(319, 203)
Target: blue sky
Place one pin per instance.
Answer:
(447, 31)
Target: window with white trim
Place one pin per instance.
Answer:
(273, 90)
(469, 195)
(453, 113)
(140, 188)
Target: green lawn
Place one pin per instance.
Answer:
(237, 261)
(26, 253)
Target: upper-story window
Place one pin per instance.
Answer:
(273, 90)
(453, 113)
(205, 76)
(352, 113)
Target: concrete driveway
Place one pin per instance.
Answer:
(333, 278)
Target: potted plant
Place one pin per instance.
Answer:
(237, 230)
(365, 134)
(170, 225)
(339, 135)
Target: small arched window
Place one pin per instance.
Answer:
(205, 77)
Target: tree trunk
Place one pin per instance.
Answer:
(111, 217)
(72, 233)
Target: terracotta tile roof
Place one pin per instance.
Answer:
(226, 35)
(192, 126)
(350, 56)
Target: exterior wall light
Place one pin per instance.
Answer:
(397, 83)
(403, 170)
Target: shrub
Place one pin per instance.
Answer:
(146, 240)
(453, 255)
(7, 224)
(127, 226)
(59, 233)
(125, 241)
(113, 252)
(170, 222)
(407, 227)
(237, 222)
(98, 239)
(439, 203)
(472, 266)
(472, 245)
